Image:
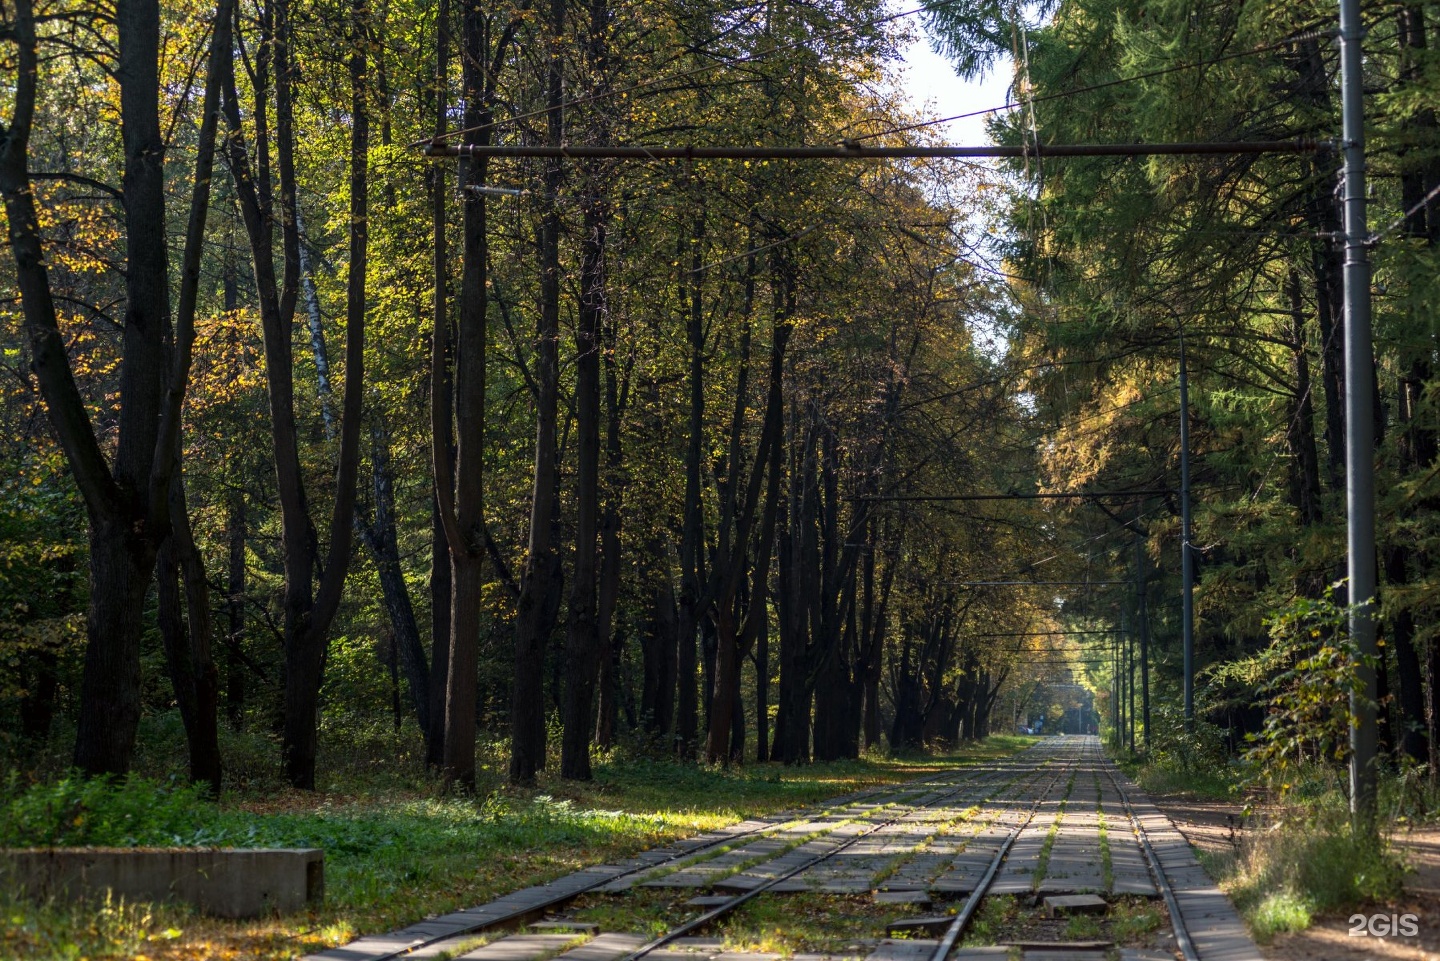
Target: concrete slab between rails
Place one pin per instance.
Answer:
(606, 947)
(1075, 904)
(903, 950)
(221, 882)
(521, 947)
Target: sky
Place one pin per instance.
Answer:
(932, 86)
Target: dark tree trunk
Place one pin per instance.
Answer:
(1312, 86)
(541, 580)
(235, 610)
(440, 603)
(612, 638)
(381, 540)
(307, 614)
(692, 534)
(794, 600)
(583, 634)
(442, 416)
(127, 501)
(1300, 430)
(762, 689)
(186, 639)
(657, 698)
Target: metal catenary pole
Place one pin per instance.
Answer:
(1130, 685)
(1142, 615)
(1359, 423)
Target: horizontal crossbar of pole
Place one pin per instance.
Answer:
(1057, 495)
(857, 152)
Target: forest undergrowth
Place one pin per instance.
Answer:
(1292, 856)
(396, 849)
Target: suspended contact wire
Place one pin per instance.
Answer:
(1149, 75)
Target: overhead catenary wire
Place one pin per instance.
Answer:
(1060, 95)
(852, 150)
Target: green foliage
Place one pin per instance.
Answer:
(1307, 678)
(1200, 750)
(42, 584)
(77, 811)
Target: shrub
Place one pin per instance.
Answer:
(1308, 860)
(76, 811)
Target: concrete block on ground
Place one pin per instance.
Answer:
(938, 924)
(1063, 905)
(221, 882)
(915, 898)
(709, 901)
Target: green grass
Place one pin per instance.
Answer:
(1042, 863)
(1133, 918)
(398, 852)
(1083, 927)
(995, 918)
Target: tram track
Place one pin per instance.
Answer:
(965, 825)
(697, 854)
(720, 911)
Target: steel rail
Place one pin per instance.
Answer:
(854, 151)
(972, 903)
(1182, 935)
(721, 910)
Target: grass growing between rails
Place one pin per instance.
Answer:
(397, 852)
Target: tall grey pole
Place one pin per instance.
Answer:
(1143, 616)
(1115, 691)
(1187, 557)
(1359, 421)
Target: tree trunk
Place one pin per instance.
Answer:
(381, 540)
(541, 580)
(307, 614)
(235, 610)
(442, 419)
(186, 640)
(127, 502)
(583, 634)
(1300, 430)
